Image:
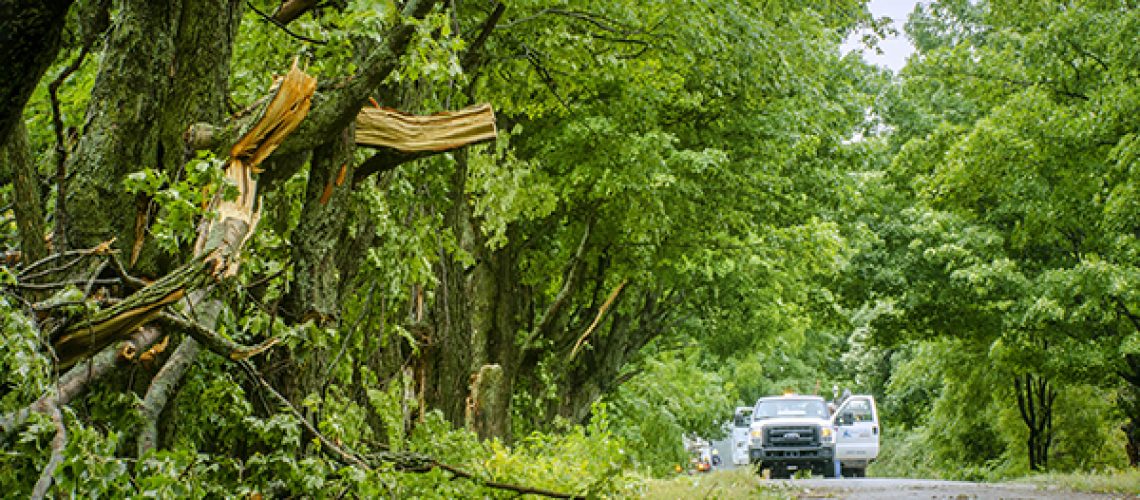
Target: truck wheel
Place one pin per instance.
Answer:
(826, 469)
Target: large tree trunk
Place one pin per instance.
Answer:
(29, 41)
(165, 67)
(447, 354)
(16, 156)
(120, 136)
(314, 293)
(476, 317)
(500, 309)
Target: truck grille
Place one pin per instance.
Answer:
(792, 436)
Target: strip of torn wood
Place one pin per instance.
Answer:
(385, 127)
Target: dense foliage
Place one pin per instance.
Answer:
(688, 205)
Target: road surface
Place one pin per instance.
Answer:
(891, 489)
(897, 489)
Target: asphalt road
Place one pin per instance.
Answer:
(890, 489)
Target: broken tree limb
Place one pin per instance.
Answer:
(105, 326)
(598, 319)
(385, 127)
(221, 238)
(334, 108)
(403, 462)
(76, 380)
(214, 341)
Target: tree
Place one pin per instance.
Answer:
(370, 286)
(1008, 140)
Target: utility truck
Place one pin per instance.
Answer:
(791, 433)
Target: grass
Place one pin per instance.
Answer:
(1124, 482)
(741, 483)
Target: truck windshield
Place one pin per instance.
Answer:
(775, 408)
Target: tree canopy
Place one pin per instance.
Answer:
(211, 287)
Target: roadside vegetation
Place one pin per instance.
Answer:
(1124, 482)
(736, 484)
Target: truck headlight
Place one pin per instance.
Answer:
(827, 434)
(757, 433)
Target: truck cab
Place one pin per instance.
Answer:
(741, 425)
(856, 423)
(790, 433)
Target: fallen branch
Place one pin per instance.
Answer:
(160, 390)
(113, 323)
(57, 445)
(220, 240)
(214, 341)
(403, 462)
(75, 381)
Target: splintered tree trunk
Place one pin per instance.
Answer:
(484, 405)
(497, 317)
(220, 239)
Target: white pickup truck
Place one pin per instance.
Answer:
(795, 432)
(791, 433)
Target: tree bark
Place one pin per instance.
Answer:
(328, 194)
(26, 192)
(29, 41)
(314, 291)
(120, 135)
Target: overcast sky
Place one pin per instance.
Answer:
(896, 48)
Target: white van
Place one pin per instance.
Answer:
(856, 423)
(741, 423)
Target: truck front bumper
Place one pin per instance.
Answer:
(791, 455)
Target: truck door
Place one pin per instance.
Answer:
(856, 433)
(741, 426)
